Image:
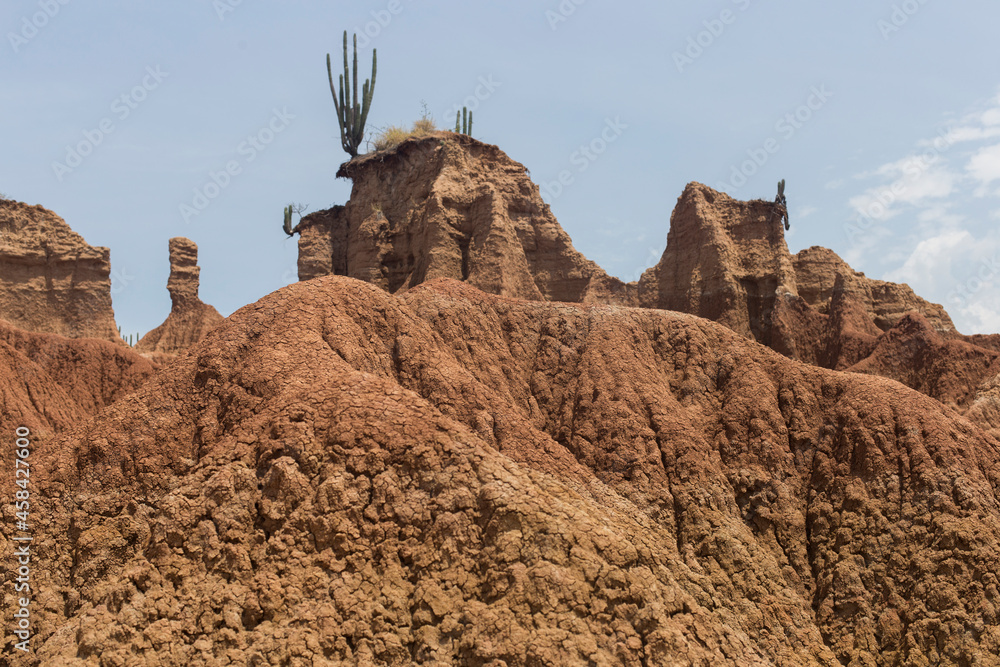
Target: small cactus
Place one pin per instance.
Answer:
(782, 203)
(289, 210)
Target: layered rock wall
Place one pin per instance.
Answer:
(725, 260)
(51, 280)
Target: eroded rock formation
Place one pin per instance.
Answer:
(339, 475)
(51, 281)
(725, 260)
(189, 319)
(454, 207)
(816, 273)
(447, 205)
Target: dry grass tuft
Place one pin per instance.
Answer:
(394, 135)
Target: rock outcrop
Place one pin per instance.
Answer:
(725, 260)
(914, 353)
(885, 303)
(451, 206)
(51, 281)
(447, 205)
(985, 408)
(337, 475)
(189, 319)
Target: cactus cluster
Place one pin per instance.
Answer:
(128, 341)
(463, 121)
(351, 116)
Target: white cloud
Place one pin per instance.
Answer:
(977, 317)
(991, 117)
(966, 133)
(932, 260)
(985, 164)
(941, 216)
(959, 271)
(912, 180)
(925, 221)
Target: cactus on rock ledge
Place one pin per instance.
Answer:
(782, 203)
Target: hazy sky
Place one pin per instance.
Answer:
(883, 117)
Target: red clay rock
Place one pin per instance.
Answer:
(447, 205)
(913, 353)
(816, 271)
(985, 407)
(337, 475)
(726, 260)
(189, 319)
(323, 244)
(93, 373)
(51, 281)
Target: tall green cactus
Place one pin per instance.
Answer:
(288, 220)
(352, 116)
(463, 121)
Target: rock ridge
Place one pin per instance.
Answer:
(341, 475)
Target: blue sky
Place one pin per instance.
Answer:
(883, 117)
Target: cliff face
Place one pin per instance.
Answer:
(323, 244)
(51, 281)
(189, 319)
(726, 260)
(337, 474)
(449, 206)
